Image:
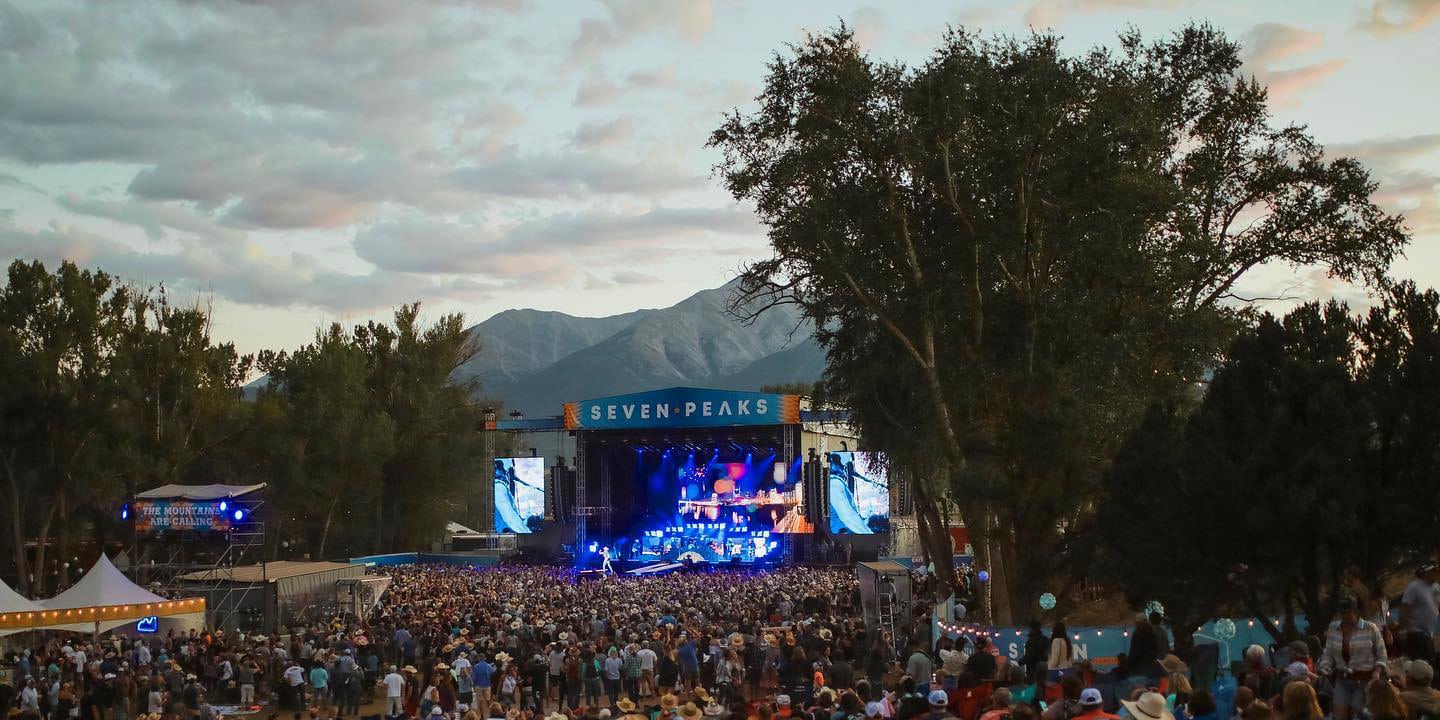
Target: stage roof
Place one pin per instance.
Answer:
(272, 571)
(198, 492)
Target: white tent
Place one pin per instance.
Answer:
(103, 599)
(13, 602)
(103, 585)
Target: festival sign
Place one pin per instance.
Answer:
(682, 408)
(152, 516)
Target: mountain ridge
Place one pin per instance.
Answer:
(534, 361)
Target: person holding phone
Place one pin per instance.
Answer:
(1354, 652)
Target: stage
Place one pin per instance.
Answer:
(687, 476)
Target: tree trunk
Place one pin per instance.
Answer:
(17, 527)
(62, 540)
(325, 529)
(42, 538)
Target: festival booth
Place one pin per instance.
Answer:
(103, 600)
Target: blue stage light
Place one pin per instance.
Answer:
(125, 513)
(239, 515)
(224, 506)
(594, 546)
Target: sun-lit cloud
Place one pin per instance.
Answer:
(1270, 51)
(1397, 17)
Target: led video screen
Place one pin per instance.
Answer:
(742, 495)
(859, 494)
(519, 494)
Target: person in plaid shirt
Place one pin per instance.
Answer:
(1354, 653)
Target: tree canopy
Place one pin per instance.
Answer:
(1009, 253)
(107, 389)
(1312, 451)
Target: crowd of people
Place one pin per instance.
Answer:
(543, 643)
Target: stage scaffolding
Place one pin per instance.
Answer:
(158, 558)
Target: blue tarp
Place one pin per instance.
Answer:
(425, 559)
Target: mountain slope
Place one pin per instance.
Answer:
(692, 343)
(517, 343)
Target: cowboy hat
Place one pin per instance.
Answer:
(625, 705)
(1173, 664)
(1150, 706)
(690, 711)
(701, 695)
(737, 640)
(715, 711)
(668, 701)
(442, 666)
(410, 669)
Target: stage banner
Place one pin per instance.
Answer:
(153, 516)
(682, 408)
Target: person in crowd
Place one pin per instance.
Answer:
(982, 665)
(1243, 697)
(1092, 706)
(1421, 699)
(998, 706)
(1354, 652)
(1149, 706)
(1383, 701)
(1037, 652)
(1258, 710)
(918, 666)
(1299, 702)
(394, 693)
(1068, 706)
(1418, 609)
(939, 703)
(1061, 651)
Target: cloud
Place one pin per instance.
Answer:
(159, 221)
(562, 175)
(8, 180)
(240, 272)
(1397, 17)
(591, 136)
(869, 24)
(627, 277)
(1050, 13)
(1284, 86)
(1268, 43)
(627, 19)
(1386, 152)
(596, 90)
(546, 251)
(1267, 47)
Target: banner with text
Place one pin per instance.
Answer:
(153, 516)
(682, 408)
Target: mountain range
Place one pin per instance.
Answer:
(535, 361)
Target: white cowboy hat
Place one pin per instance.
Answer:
(1150, 706)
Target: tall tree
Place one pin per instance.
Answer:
(340, 436)
(57, 334)
(437, 426)
(1015, 251)
(1278, 479)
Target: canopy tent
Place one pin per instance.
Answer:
(11, 601)
(103, 599)
(198, 492)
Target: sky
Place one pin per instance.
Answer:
(297, 163)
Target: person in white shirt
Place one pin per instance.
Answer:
(394, 693)
(295, 685)
(30, 697)
(647, 671)
(1061, 651)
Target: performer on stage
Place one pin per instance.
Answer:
(605, 561)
